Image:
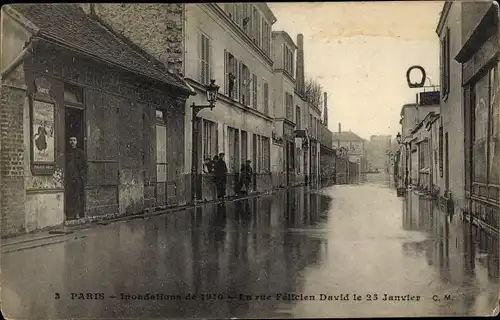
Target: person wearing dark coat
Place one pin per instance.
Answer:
(220, 170)
(76, 171)
(245, 176)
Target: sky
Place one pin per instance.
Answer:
(360, 52)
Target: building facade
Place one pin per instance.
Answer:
(91, 84)
(412, 116)
(377, 151)
(449, 31)
(354, 152)
(477, 59)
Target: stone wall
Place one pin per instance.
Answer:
(12, 159)
(157, 28)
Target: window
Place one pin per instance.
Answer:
(266, 98)
(494, 139)
(161, 151)
(233, 152)
(204, 59)
(256, 37)
(265, 154)
(310, 124)
(421, 154)
(244, 84)
(480, 131)
(289, 106)
(314, 122)
(445, 64)
(237, 13)
(232, 75)
(297, 117)
(254, 91)
(209, 139)
(73, 94)
(266, 31)
(441, 152)
(244, 145)
(229, 8)
(247, 22)
(288, 59)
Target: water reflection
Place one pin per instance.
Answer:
(464, 256)
(248, 247)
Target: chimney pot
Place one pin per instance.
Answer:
(340, 128)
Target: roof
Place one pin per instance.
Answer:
(408, 105)
(70, 25)
(346, 136)
(286, 36)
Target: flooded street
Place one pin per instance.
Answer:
(359, 243)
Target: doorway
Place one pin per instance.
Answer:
(74, 188)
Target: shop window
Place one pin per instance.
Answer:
(480, 131)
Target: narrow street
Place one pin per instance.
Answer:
(339, 242)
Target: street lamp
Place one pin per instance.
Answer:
(212, 92)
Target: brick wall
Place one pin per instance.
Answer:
(12, 160)
(156, 28)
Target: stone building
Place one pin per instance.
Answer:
(285, 116)
(377, 150)
(470, 48)
(451, 134)
(354, 147)
(230, 43)
(65, 73)
(412, 116)
(422, 155)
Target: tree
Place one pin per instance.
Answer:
(313, 92)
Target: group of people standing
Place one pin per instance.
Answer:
(218, 167)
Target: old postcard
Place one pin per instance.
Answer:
(250, 160)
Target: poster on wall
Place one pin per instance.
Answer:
(43, 136)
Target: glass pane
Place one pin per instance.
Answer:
(494, 165)
(161, 172)
(161, 144)
(73, 93)
(159, 114)
(481, 130)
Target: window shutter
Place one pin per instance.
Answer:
(257, 33)
(209, 59)
(284, 56)
(248, 87)
(242, 80)
(237, 84)
(254, 81)
(226, 72)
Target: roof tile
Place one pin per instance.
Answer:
(68, 23)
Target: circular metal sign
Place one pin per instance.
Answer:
(416, 84)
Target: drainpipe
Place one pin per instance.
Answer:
(20, 57)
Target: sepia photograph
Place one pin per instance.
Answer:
(246, 160)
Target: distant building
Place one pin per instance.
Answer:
(377, 151)
(412, 116)
(354, 144)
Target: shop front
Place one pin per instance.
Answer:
(95, 128)
(479, 59)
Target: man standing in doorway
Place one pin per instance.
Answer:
(220, 169)
(76, 171)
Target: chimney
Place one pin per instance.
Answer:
(325, 117)
(340, 128)
(299, 75)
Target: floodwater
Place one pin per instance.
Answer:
(342, 251)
